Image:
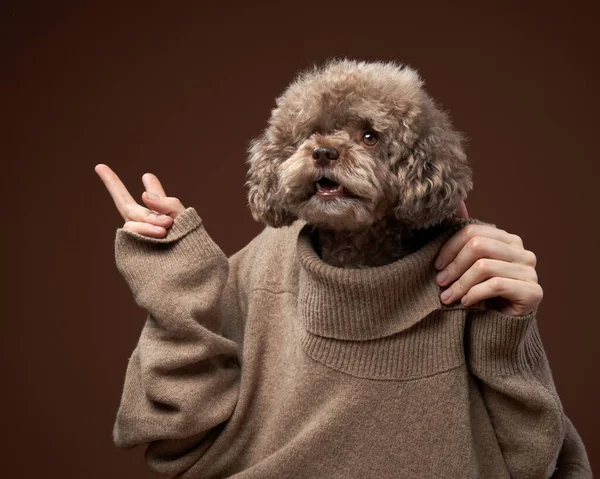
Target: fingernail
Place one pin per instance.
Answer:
(438, 262)
(464, 300)
(445, 295)
(440, 278)
(152, 196)
(162, 217)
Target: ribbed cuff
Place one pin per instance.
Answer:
(502, 345)
(141, 258)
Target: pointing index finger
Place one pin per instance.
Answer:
(123, 200)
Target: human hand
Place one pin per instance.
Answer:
(152, 221)
(483, 262)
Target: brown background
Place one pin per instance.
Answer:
(179, 90)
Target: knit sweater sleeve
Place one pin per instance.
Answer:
(536, 438)
(182, 380)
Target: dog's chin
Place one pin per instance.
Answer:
(340, 213)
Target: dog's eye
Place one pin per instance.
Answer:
(369, 138)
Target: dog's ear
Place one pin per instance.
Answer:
(263, 184)
(433, 173)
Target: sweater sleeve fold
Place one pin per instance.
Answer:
(573, 462)
(182, 380)
(506, 354)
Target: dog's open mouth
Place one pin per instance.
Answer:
(327, 188)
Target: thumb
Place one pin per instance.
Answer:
(461, 210)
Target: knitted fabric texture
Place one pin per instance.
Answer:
(274, 364)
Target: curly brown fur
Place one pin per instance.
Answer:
(413, 178)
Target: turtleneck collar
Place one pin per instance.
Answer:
(363, 304)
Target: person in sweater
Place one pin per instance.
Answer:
(323, 348)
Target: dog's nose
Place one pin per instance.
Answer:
(324, 153)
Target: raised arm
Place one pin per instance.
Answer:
(181, 383)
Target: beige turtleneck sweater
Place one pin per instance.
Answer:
(274, 364)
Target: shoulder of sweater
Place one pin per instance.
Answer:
(439, 233)
(268, 260)
(456, 222)
(449, 226)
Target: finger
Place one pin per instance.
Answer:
(481, 247)
(167, 205)
(140, 214)
(523, 295)
(121, 197)
(152, 184)
(484, 269)
(145, 229)
(461, 210)
(458, 240)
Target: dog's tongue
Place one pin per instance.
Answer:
(327, 188)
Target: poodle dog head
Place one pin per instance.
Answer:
(353, 142)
